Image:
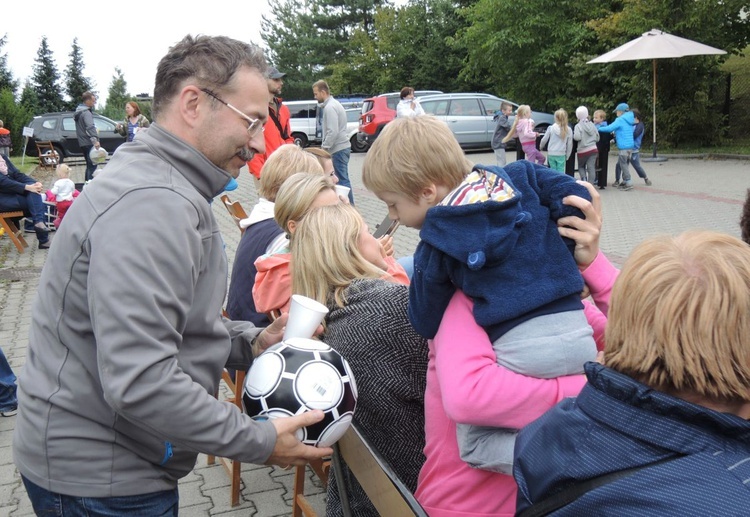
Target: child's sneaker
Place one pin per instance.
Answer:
(648, 182)
(625, 186)
(10, 412)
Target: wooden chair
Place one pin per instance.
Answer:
(48, 155)
(300, 505)
(8, 223)
(386, 491)
(233, 467)
(235, 210)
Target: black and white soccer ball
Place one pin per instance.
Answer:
(298, 375)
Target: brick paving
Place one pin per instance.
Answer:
(686, 193)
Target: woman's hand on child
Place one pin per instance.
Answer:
(585, 232)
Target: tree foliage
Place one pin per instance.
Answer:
(75, 82)
(6, 76)
(117, 97)
(46, 80)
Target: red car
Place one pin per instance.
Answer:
(378, 111)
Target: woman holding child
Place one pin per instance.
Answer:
(337, 262)
(465, 384)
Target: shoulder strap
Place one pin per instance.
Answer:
(282, 130)
(572, 493)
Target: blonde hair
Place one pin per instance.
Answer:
(561, 119)
(320, 154)
(296, 195)
(326, 256)
(523, 111)
(283, 162)
(680, 316)
(410, 154)
(601, 114)
(63, 170)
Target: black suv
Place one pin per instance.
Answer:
(60, 129)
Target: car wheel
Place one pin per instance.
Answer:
(541, 128)
(60, 153)
(300, 139)
(357, 146)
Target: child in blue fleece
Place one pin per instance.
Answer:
(490, 232)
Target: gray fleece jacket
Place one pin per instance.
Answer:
(85, 127)
(335, 137)
(587, 135)
(127, 344)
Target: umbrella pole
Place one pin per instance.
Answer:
(654, 158)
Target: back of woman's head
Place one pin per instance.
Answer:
(325, 253)
(285, 161)
(680, 316)
(296, 196)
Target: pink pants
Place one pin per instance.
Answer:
(532, 153)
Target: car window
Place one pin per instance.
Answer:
(439, 108)
(103, 125)
(392, 102)
(49, 123)
(491, 106)
(301, 110)
(367, 106)
(464, 107)
(68, 124)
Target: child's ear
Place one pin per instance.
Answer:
(430, 194)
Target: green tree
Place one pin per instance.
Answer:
(46, 80)
(29, 98)
(14, 116)
(75, 82)
(117, 97)
(6, 76)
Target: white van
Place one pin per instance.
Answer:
(302, 121)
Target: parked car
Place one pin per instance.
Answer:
(469, 116)
(302, 121)
(378, 111)
(60, 129)
(352, 128)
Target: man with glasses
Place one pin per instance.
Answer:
(331, 120)
(126, 344)
(278, 131)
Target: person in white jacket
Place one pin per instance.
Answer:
(409, 105)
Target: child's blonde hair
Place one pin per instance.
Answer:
(523, 111)
(679, 320)
(326, 256)
(410, 154)
(63, 171)
(296, 196)
(600, 114)
(561, 119)
(285, 161)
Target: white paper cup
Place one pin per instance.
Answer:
(305, 314)
(342, 191)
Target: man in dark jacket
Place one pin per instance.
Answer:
(20, 192)
(86, 130)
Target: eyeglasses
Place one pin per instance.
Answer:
(256, 126)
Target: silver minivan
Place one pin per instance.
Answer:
(302, 121)
(469, 116)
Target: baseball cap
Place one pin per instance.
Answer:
(623, 106)
(273, 73)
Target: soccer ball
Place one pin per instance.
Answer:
(298, 375)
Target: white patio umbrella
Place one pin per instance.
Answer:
(656, 44)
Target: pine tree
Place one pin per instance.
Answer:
(76, 83)
(46, 80)
(6, 76)
(117, 97)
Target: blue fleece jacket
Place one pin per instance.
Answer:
(507, 256)
(622, 127)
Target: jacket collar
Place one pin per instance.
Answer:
(208, 179)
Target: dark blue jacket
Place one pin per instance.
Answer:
(13, 185)
(507, 256)
(617, 423)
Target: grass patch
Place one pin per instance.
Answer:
(29, 164)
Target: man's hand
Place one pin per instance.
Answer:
(289, 450)
(97, 144)
(585, 232)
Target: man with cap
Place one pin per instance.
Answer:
(623, 127)
(277, 131)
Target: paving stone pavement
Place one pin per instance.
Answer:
(686, 193)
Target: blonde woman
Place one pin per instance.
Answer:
(325, 160)
(298, 196)
(670, 405)
(262, 235)
(336, 261)
(559, 141)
